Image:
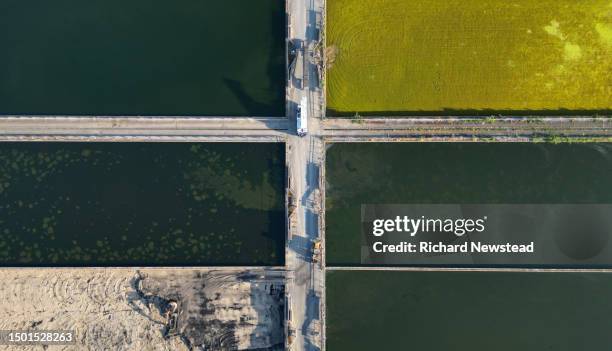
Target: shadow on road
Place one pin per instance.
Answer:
(312, 223)
(312, 172)
(312, 314)
(301, 246)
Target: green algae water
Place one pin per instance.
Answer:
(455, 173)
(145, 204)
(142, 57)
(477, 311)
(469, 57)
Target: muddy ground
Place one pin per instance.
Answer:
(148, 309)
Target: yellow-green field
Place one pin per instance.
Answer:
(469, 56)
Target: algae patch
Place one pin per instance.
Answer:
(605, 33)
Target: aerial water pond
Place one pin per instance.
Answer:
(477, 311)
(144, 204)
(469, 57)
(455, 173)
(142, 57)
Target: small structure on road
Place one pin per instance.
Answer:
(302, 117)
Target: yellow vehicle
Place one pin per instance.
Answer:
(316, 250)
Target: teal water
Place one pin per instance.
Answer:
(142, 57)
(144, 204)
(398, 173)
(468, 311)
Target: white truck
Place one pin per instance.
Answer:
(302, 117)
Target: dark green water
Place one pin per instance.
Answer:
(474, 311)
(142, 57)
(141, 204)
(396, 173)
